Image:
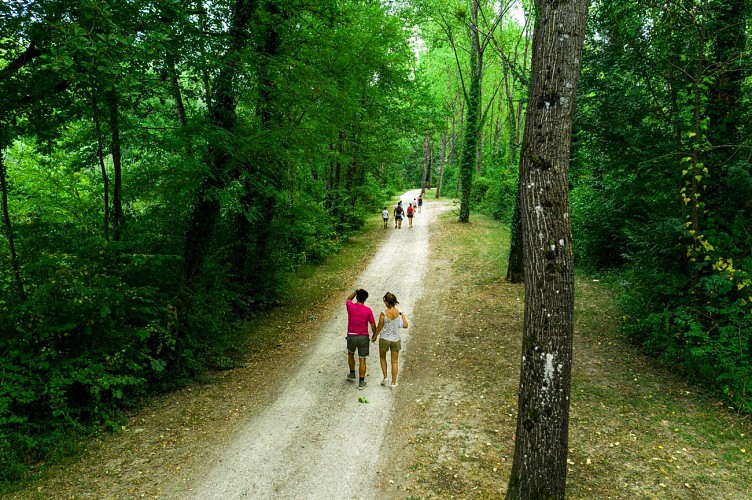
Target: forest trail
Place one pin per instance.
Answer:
(317, 440)
(287, 424)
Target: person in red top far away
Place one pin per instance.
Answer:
(410, 213)
(359, 316)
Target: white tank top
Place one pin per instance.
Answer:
(391, 329)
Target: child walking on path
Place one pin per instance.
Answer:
(390, 323)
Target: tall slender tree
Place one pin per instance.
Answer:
(540, 456)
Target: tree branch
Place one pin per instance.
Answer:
(19, 62)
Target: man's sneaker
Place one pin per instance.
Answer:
(351, 376)
(384, 382)
(393, 387)
(362, 385)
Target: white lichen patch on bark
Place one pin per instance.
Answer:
(548, 370)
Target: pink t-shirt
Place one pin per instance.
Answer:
(358, 318)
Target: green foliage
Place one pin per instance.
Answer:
(289, 125)
(708, 338)
(84, 343)
(494, 194)
(661, 191)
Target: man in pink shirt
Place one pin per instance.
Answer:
(359, 316)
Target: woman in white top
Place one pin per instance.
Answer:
(390, 322)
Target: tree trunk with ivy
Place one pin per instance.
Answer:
(469, 154)
(539, 469)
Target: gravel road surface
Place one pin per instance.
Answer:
(317, 439)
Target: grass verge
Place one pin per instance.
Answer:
(636, 431)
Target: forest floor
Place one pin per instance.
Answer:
(282, 426)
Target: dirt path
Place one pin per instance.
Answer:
(316, 439)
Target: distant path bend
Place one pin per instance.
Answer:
(316, 440)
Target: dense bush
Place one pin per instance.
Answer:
(86, 340)
(707, 335)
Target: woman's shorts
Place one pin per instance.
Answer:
(386, 345)
(359, 342)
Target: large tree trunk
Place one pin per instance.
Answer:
(515, 270)
(456, 133)
(251, 242)
(430, 170)
(539, 469)
(176, 93)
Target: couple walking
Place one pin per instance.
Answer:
(359, 317)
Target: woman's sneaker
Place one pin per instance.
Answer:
(362, 384)
(393, 387)
(385, 382)
(351, 376)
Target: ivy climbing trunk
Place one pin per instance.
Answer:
(442, 162)
(250, 249)
(539, 469)
(468, 160)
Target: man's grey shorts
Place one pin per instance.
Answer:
(361, 342)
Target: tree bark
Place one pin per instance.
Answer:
(430, 170)
(515, 266)
(176, 93)
(515, 270)
(540, 457)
